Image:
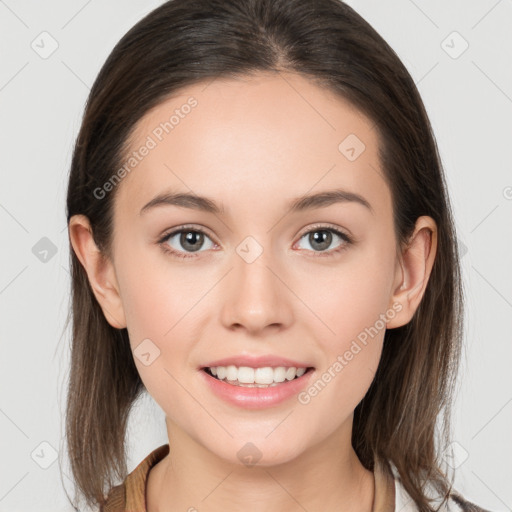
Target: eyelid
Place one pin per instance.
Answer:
(191, 227)
(326, 226)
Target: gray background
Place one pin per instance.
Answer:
(468, 95)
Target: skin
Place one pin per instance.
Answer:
(253, 145)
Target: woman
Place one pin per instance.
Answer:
(262, 239)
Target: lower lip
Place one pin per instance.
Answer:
(257, 398)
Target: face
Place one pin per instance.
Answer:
(257, 277)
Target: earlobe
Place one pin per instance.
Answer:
(99, 269)
(413, 270)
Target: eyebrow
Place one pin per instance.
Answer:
(309, 202)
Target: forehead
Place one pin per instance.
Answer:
(252, 140)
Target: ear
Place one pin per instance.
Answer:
(99, 269)
(412, 271)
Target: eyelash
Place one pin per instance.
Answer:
(165, 247)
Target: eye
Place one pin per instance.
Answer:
(321, 237)
(183, 242)
(190, 240)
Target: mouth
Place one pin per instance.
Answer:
(256, 388)
(281, 376)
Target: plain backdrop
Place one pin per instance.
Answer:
(459, 54)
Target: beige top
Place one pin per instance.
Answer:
(389, 495)
(130, 496)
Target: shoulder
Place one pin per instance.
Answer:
(130, 495)
(116, 499)
(455, 503)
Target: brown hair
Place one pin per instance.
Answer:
(183, 42)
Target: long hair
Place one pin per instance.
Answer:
(405, 416)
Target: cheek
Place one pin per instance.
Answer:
(352, 296)
(156, 306)
(351, 353)
(147, 304)
(155, 295)
(353, 306)
(160, 304)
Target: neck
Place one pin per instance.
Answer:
(328, 477)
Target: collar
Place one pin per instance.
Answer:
(130, 496)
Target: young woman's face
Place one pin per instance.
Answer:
(265, 278)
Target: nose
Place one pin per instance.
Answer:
(255, 297)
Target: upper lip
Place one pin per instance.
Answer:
(256, 362)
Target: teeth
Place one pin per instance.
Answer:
(247, 375)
